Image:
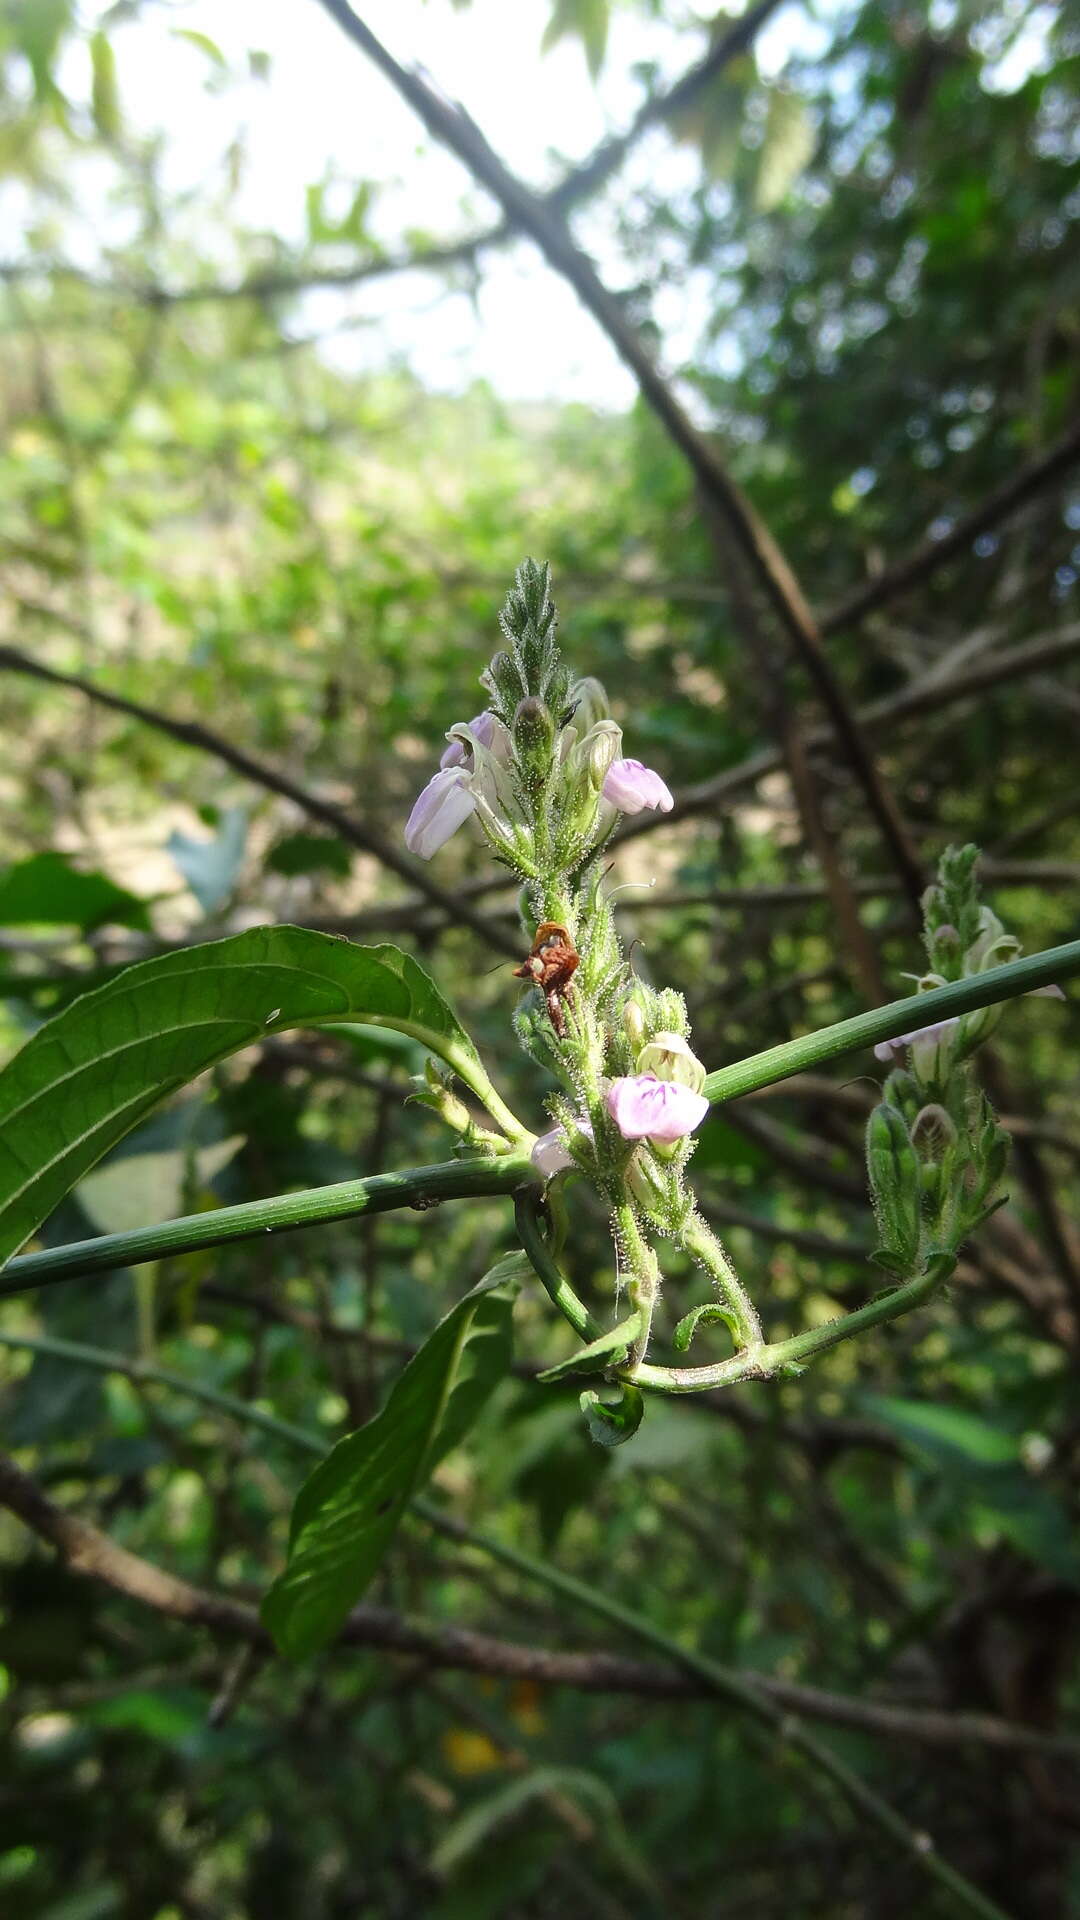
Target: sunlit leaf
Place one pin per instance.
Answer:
(584, 20)
(787, 147)
(104, 98)
(89, 1076)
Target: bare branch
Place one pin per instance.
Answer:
(450, 123)
(86, 1550)
(576, 185)
(192, 733)
(915, 567)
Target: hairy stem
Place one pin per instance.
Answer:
(703, 1246)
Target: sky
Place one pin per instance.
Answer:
(325, 112)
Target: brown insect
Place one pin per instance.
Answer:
(552, 960)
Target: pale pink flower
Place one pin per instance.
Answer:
(927, 1038)
(551, 1155)
(644, 1108)
(888, 1050)
(440, 809)
(491, 734)
(631, 787)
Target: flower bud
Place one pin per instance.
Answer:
(596, 751)
(503, 678)
(932, 1132)
(634, 1021)
(647, 1183)
(588, 703)
(893, 1168)
(534, 735)
(668, 1057)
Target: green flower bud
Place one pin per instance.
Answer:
(634, 1021)
(599, 747)
(533, 731)
(668, 1057)
(893, 1168)
(901, 1090)
(932, 1132)
(659, 1193)
(503, 679)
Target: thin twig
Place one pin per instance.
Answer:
(915, 567)
(576, 185)
(192, 733)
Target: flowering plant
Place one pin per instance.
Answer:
(543, 773)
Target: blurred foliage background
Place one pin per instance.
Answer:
(239, 488)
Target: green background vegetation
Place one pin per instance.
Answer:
(203, 511)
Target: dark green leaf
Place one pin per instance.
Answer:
(310, 853)
(609, 1349)
(612, 1422)
(47, 890)
(347, 1513)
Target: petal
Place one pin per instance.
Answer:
(489, 731)
(439, 811)
(647, 1109)
(631, 786)
(550, 1154)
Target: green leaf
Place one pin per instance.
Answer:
(347, 1513)
(947, 1432)
(787, 147)
(609, 1349)
(477, 1825)
(587, 21)
(610, 1423)
(89, 1076)
(46, 890)
(310, 853)
(697, 1316)
(204, 44)
(104, 98)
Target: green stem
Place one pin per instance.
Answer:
(703, 1246)
(742, 1693)
(145, 1372)
(528, 1217)
(419, 1187)
(427, 1185)
(887, 1023)
(762, 1361)
(643, 1276)
(472, 1073)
